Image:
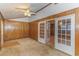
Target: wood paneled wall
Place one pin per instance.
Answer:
(15, 30)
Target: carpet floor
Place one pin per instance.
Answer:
(28, 47)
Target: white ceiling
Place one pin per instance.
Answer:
(9, 10)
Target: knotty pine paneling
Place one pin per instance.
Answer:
(14, 30)
(33, 30)
(0, 33)
(77, 32)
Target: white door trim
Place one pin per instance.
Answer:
(40, 39)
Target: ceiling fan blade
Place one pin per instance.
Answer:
(32, 13)
(27, 14)
(23, 8)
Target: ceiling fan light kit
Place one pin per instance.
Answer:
(27, 14)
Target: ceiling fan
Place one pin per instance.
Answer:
(26, 11)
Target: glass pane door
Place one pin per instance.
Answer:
(42, 32)
(65, 33)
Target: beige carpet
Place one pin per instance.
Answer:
(28, 47)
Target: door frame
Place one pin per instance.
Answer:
(39, 32)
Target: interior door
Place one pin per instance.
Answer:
(42, 32)
(65, 34)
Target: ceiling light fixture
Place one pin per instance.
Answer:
(27, 14)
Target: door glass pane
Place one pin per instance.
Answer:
(63, 36)
(59, 24)
(63, 32)
(59, 31)
(63, 41)
(68, 43)
(68, 24)
(63, 24)
(59, 40)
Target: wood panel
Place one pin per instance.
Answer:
(15, 30)
(52, 33)
(33, 30)
(0, 33)
(77, 32)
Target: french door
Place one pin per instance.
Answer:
(65, 34)
(44, 31)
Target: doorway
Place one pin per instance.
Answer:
(52, 33)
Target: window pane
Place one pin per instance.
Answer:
(68, 43)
